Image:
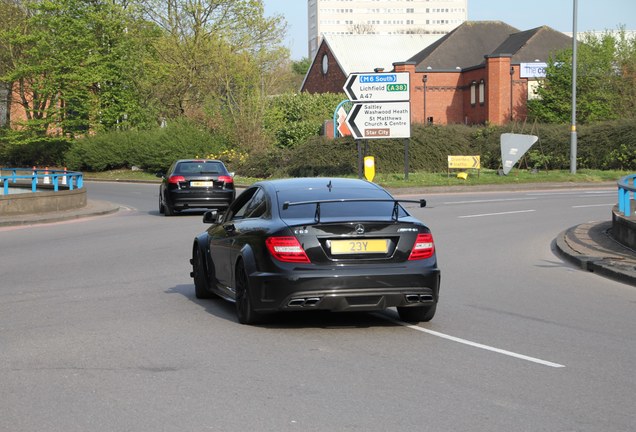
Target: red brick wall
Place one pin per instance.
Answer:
(317, 82)
(498, 89)
(474, 113)
(444, 97)
(17, 115)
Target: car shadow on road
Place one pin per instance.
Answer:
(183, 213)
(288, 320)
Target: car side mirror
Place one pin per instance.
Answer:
(422, 203)
(212, 217)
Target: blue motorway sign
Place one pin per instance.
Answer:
(372, 87)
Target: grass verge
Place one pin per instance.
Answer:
(416, 179)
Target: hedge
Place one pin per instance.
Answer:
(606, 145)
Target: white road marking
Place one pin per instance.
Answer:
(496, 214)
(579, 193)
(474, 344)
(488, 201)
(593, 205)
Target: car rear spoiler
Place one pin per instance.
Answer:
(394, 214)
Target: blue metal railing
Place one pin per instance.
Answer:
(626, 189)
(43, 177)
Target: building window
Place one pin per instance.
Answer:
(473, 93)
(325, 64)
(482, 92)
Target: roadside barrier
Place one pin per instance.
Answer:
(626, 189)
(47, 179)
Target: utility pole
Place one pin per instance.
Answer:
(573, 127)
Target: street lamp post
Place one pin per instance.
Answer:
(424, 80)
(574, 62)
(512, 73)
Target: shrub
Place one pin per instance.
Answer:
(20, 149)
(294, 118)
(153, 150)
(608, 145)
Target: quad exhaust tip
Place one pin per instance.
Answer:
(304, 302)
(419, 298)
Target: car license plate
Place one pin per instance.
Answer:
(201, 183)
(340, 247)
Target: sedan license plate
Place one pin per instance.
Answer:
(340, 247)
(201, 184)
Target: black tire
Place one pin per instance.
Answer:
(167, 210)
(201, 283)
(244, 310)
(415, 314)
(160, 204)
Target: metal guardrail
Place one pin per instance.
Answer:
(43, 177)
(626, 189)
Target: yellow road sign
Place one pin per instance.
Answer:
(464, 162)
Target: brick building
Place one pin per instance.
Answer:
(483, 71)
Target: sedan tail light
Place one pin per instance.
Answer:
(176, 179)
(226, 179)
(424, 247)
(286, 249)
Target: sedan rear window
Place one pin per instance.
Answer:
(193, 168)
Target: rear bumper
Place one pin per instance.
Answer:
(200, 199)
(341, 290)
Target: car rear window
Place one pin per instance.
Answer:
(347, 210)
(201, 167)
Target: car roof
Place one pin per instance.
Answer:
(199, 160)
(312, 183)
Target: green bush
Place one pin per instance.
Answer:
(294, 118)
(19, 149)
(608, 145)
(152, 150)
(605, 145)
(271, 163)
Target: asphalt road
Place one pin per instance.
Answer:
(100, 331)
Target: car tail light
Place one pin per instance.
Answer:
(226, 179)
(176, 179)
(286, 249)
(424, 247)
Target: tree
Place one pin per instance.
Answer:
(301, 66)
(12, 18)
(605, 82)
(199, 39)
(74, 64)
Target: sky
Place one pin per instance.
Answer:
(558, 14)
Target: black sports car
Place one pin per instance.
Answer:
(317, 243)
(195, 183)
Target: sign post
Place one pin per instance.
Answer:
(381, 107)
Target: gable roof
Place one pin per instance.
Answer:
(467, 45)
(535, 44)
(463, 47)
(366, 52)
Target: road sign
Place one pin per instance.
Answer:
(513, 147)
(377, 87)
(464, 162)
(380, 120)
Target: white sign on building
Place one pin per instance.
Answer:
(532, 70)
